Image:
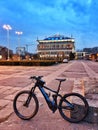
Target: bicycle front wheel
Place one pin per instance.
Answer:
(73, 107)
(25, 105)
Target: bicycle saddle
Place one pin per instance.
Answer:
(61, 80)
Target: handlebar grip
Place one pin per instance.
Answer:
(36, 77)
(40, 77)
(32, 77)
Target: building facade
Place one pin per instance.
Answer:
(56, 47)
(4, 53)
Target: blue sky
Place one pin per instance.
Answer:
(43, 18)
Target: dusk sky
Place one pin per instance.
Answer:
(43, 18)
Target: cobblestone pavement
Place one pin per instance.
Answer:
(14, 79)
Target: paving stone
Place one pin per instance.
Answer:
(3, 103)
(6, 112)
(4, 89)
(45, 120)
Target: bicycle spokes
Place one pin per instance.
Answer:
(25, 105)
(67, 105)
(73, 107)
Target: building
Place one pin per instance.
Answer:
(91, 50)
(80, 55)
(21, 51)
(56, 47)
(4, 53)
(92, 53)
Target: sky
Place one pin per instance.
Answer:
(38, 19)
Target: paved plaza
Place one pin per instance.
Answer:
(16, 78)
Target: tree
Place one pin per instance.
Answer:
(71, 56)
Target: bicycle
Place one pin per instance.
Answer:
(70, 105)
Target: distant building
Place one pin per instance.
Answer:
(91, 50)
(92, 53)
(80, 55)
(56, 47)
(4, 53)
(21, 51)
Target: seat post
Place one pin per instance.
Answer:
(60, 80)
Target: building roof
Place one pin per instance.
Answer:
(57, 37)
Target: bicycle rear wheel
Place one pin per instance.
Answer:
(25, 105)
(73, 107)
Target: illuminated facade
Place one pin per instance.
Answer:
(56, 46)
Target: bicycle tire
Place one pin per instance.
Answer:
(80, 107)
(19, 107)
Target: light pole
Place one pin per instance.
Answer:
(19, 33)
(7, 27)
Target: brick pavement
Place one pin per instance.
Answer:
(40, 122)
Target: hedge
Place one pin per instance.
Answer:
(29, 63)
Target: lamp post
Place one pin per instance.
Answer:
(7, 27)
(19, 33)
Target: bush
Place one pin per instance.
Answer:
(28, 63)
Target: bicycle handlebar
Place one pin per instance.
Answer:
(36, 77)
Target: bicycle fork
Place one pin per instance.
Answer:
(26, 104)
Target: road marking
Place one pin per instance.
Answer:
(89, 71)
(55, 74)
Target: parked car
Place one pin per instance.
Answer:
(65, 60)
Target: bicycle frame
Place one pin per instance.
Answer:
(52, 104)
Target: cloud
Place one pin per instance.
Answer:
(42, 17)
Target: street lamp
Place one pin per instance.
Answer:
(7, 27)
(19, 33)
